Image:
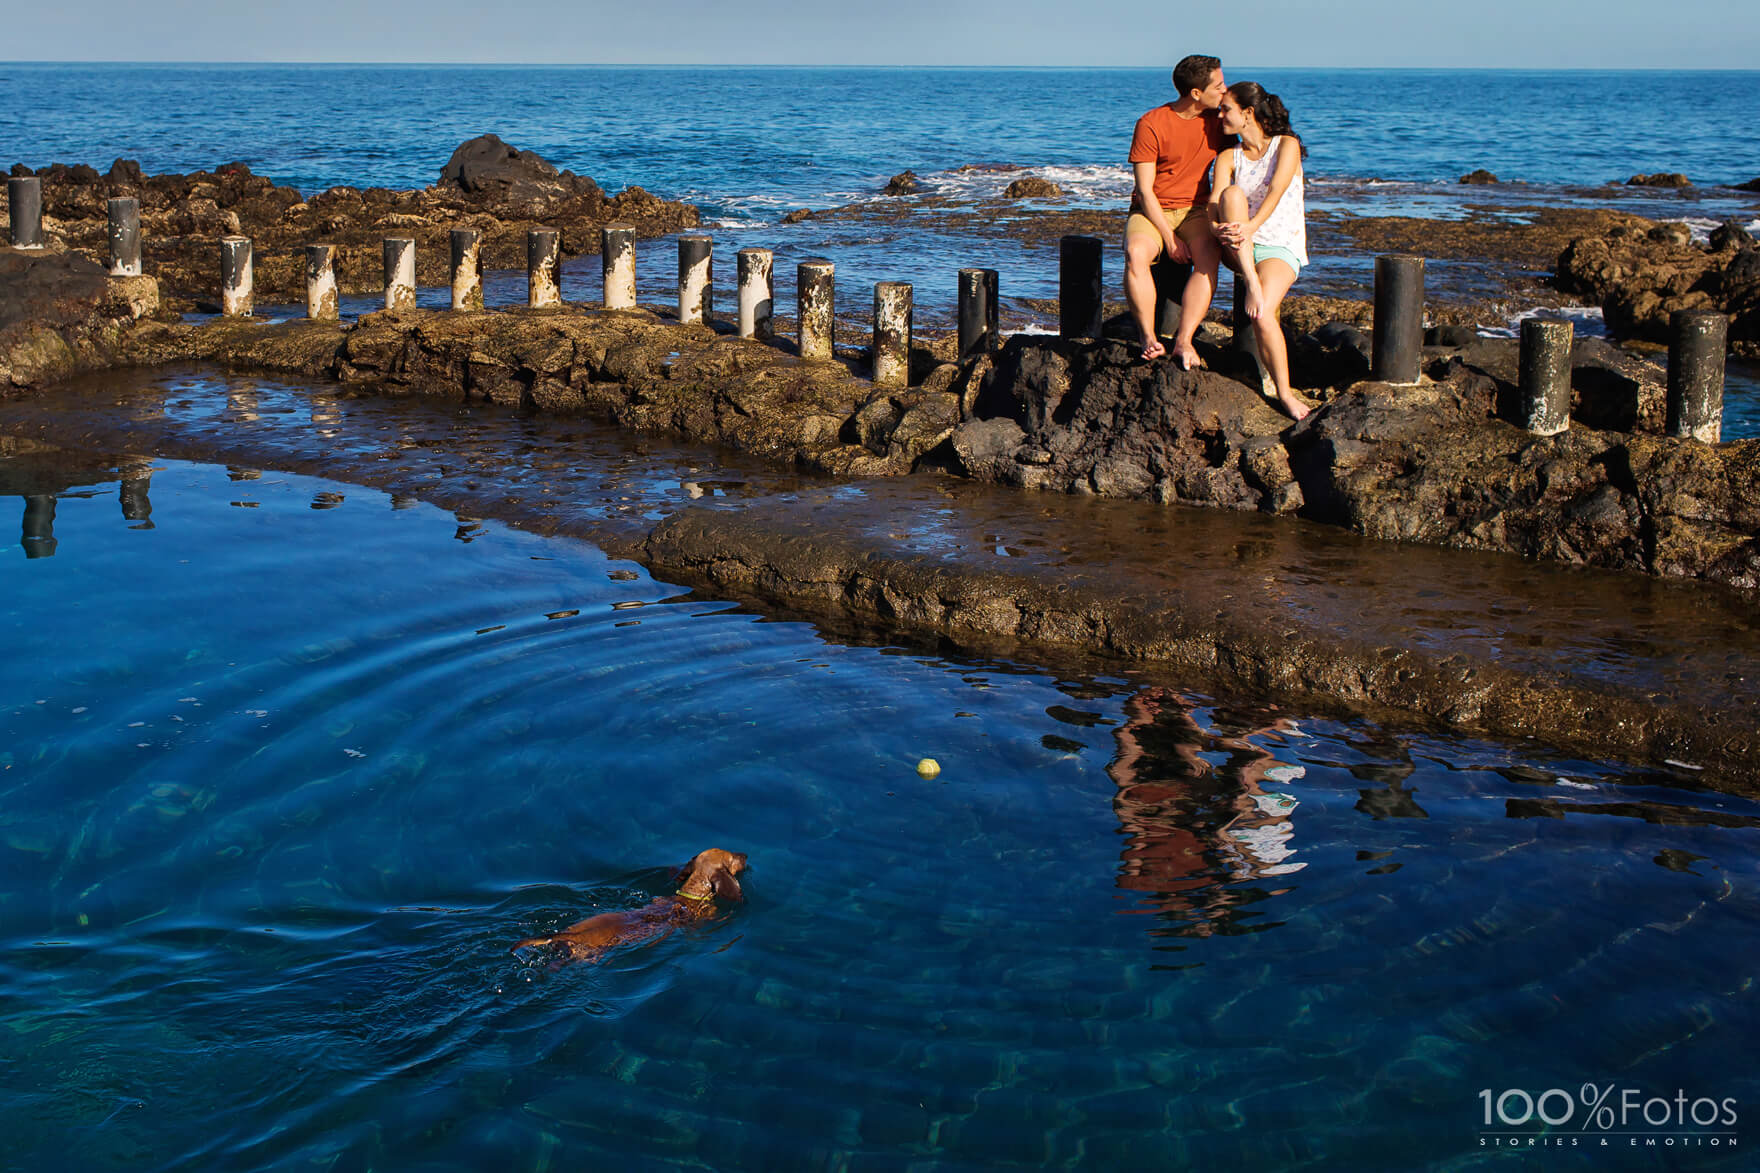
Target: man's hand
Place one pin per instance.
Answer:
(1177, 252)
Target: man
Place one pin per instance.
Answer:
(1171, 153)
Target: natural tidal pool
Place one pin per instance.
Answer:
(287, 765)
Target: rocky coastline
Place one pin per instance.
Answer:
(1437, 463)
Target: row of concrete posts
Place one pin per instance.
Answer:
(1697, 341)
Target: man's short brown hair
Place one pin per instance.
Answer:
(1193, 73)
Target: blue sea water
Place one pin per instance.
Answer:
(288, 764)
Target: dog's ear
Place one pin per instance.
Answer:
(724, 885)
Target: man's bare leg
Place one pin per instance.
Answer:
(1195, 303)
(1141, 252)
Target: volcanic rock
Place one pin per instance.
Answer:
(904, 183)
(1660, 179)
(1479, 176)
(1032, 187)
(490, 171)
(1639, 278)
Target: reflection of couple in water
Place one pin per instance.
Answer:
(1198, 833)
(1218, 180)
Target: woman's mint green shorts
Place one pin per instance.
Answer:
(1264, 252)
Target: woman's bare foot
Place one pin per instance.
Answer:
(1295, 407)
(1152, 348)
(1255, 301)
(1187, 356)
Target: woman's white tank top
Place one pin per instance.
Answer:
(1287, 225)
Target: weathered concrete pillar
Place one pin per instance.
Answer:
(400, 273)
(1696, 342)
(617, 253)
(38, 538)
(696, 276)
(321, 282)
(543, 267)
(467, 269)
(1398, 346)
(892, 334)
(1079, 286)
(1243, 338)
(979, 332)
(24, 199)
(237, 277)
(125, 236)
(1544, 381)
(757, 293)
(1170, 290)
(815, 302)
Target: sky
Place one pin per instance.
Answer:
(1574, 34)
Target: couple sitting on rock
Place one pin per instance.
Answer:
(1249, 214)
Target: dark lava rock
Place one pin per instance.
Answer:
(1640, 277)
(1479, 176)
(1731, 234)
(1335, 354)
(904, 183)
(61, 314)
(1452, 337)
(1660, 179)
(1032, 187)
(492, 171)
(1751, 185)
(798, 215)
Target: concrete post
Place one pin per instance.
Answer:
(24, 199)
(1398, 346)
(1696, 342)
(125, 236)
(1170, 290)
(1545, 376)
(815, 303)
(892, 334)
(467, 269)
(617, 253)
(979, 332)
(400, 273)
(543, 268)
(757, 293)
(696, 276)
(321, 282)
(237, 277)
(1079, 285)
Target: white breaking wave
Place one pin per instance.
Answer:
(1589, 316)
(1095, 183)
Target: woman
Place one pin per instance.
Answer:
(1256, 207)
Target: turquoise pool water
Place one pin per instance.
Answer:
(288, 764)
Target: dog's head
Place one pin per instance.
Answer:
(713, 872)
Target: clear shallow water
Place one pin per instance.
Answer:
(288, 764)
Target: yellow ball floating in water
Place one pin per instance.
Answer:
(928, 767)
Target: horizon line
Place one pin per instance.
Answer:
(248, 62)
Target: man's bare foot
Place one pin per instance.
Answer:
(1187, 356)
(1295, 407)
(1152, 348)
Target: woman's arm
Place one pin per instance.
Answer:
(1289, 159)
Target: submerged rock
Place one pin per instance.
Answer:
(1660, 179)
(904, 183)
(1479, 176)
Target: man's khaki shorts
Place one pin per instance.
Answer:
(1188, 224)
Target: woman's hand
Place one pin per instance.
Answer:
(1234, 234)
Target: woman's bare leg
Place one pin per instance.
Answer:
(1274, 277)
(1233, 202)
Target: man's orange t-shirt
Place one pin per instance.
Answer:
(1182, 150)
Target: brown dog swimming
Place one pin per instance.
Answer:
(710, 876)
